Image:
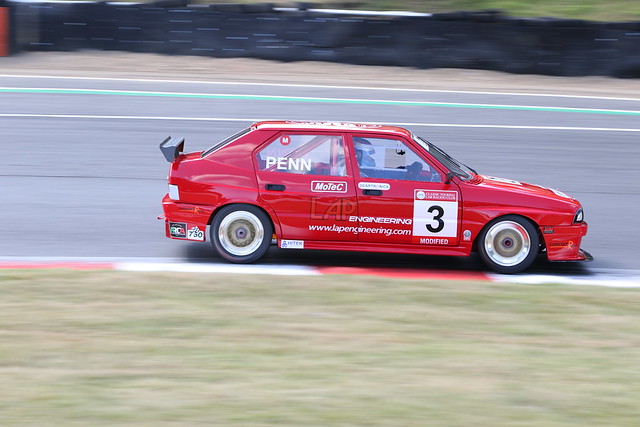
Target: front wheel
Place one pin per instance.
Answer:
(241, 233)
(509, 244)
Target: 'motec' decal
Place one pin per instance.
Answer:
(328, 186)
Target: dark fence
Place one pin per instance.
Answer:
(483, 40)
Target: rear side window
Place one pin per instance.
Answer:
(304, 154)
(226, 141)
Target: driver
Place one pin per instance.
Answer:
(364, 152)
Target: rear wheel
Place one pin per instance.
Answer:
(509, 244)
(241, 233)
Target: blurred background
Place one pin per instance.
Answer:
(545, 92)
(90, 89)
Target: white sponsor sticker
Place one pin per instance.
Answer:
(560, 193)
(380, 220)
(503, 180)
(195, 233)
(435, 214)
(430, 241)
(288, 164)
(556, 192)
(328, 186)
(341, 124)
(292, 244)
(374, 186)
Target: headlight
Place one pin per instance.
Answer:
(579, 216)
(173, 192)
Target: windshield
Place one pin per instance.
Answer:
(461, 170)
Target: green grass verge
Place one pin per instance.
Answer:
(134, 349)
(597, 10)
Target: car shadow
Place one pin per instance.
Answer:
(203, 253)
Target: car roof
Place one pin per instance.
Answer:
(330, 126)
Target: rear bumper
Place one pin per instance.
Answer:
(563, 242)
(185, 221)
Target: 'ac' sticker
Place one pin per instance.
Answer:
(560, 193)
(373, 186)
(195, 234)
(503, 180)
(556, 192)
(178, 229)
(285, 140)
(292, 244)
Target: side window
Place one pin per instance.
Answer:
(304, 154)
(391, 159)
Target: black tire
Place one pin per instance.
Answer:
(241, 233)
(508, 244)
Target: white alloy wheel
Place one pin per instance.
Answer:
(509, 245)
(241, 233)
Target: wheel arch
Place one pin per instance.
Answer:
(490, 222)
(270, 214)
(509, 244)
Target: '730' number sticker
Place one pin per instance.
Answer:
(195, 234)
(435, 213)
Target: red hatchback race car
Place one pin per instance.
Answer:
(360, 187)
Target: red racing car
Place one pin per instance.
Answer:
(360, 187)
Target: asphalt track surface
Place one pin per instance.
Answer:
(82, 175)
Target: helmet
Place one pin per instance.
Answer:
(363, 145)
(364, 150)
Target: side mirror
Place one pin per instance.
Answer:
(450, 176)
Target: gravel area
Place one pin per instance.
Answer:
(154, 66)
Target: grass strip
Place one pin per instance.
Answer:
(106, 348)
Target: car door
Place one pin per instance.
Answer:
(402, 194)
(305, 179)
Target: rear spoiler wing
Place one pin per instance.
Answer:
(172, 148)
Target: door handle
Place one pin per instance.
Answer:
(275, 187)
(372, 192)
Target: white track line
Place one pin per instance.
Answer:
(252, 120)
(606, 280)
(272, 270)
(294, 98)
(611, 278)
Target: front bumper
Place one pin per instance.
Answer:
(563, 242)
(587, 256)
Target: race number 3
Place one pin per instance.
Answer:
(435, 213)
(439, 213)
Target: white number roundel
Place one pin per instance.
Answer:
(435, 213)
